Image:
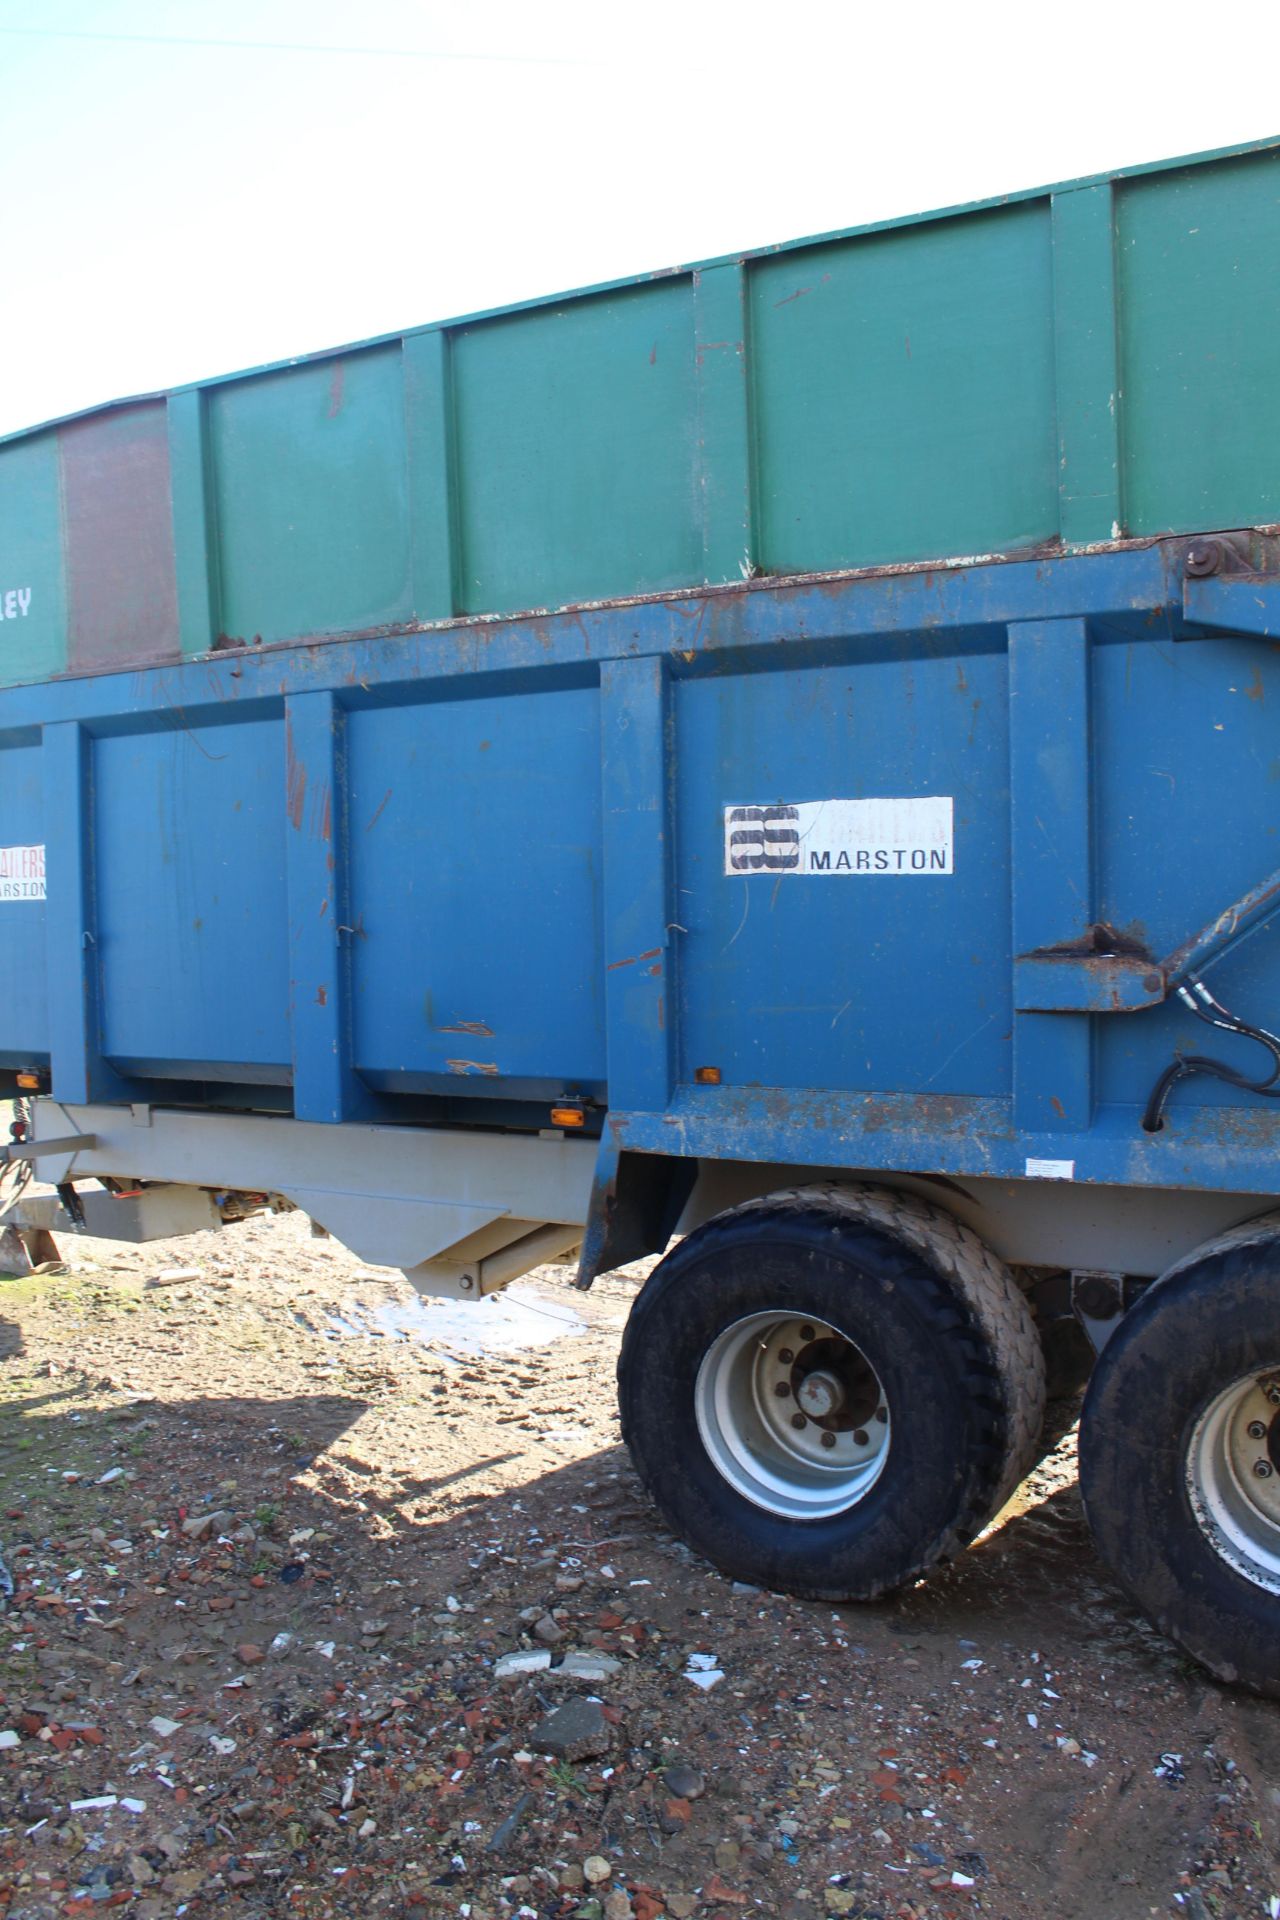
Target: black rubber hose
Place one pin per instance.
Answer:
(1198, 998)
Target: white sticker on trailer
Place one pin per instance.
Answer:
(1051, 1169)
(21, 873)
(868, 837)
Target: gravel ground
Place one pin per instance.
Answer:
(276, 1530)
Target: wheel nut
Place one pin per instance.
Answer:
(861, 1437)
(1257, 1431)
(828, 1439)
(882, 1415)
(786, 1356)
(783, 1391)
(806, 1333)
(798, 1420)
(1263, 1469)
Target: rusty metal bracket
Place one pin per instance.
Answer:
(1079, 983)
(1104, 972)
(1233, 603)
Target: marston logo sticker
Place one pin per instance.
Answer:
(908, 837)
(21, 873)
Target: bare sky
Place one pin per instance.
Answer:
(187, 188)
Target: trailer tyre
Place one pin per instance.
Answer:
(831, 1390)
(1180, 1457)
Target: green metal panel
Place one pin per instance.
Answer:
(904, 394)
(724, 422)
(1073, 365)
(428, 395)
(1199, 271)
(575, 436)
(311, 497)
(1088, 379)
(33, 633)
(194, 534)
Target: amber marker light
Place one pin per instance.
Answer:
(567, 1116)
(707, 1076)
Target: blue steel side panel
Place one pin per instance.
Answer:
(1187, 777)
(896, 983)
(320, 928)
(1050, 830)
(24, 1001)
(642, 933)
(474, 848)
(70, 942)
(509, 794)
(188, 849)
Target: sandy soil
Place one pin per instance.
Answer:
(273, 1527)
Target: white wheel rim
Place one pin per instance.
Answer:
(792, 1415)
(1232, 1479)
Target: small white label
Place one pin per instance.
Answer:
(22, 873)
(1051, 1169)
(904, 837)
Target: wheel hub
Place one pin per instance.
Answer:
(820, 1394)
(792, 1415)
(1233, 1477)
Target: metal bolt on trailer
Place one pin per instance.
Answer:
(863, 875)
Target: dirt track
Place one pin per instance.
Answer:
(272, 1528)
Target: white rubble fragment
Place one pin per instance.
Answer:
(531, 1660)
(701, 1668)
(586, 1666)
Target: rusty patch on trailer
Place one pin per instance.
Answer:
(295, 778)
(472, 1066)
(337, 380)
(631, 961)
(1097, 942)
(122, 594)
(469, 1026)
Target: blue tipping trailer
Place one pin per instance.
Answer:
(868, 877)
(849, 925)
